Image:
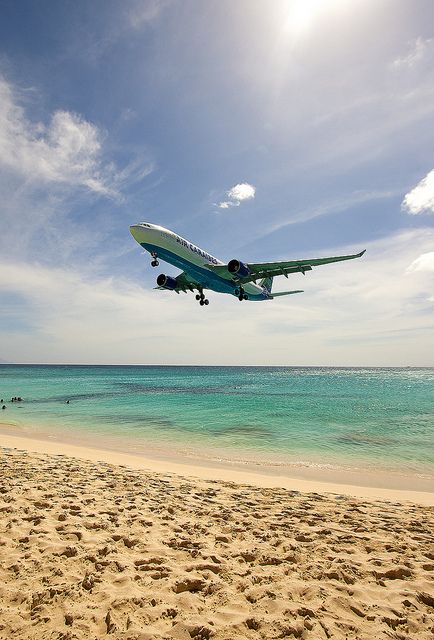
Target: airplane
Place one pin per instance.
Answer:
(246, 281)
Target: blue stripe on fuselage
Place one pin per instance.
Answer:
(207, 278)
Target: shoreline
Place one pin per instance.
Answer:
(373, 486)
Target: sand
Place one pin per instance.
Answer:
(93, 549)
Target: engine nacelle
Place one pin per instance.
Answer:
(238, 268)
(167, 282)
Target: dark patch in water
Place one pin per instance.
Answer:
(138, 420)
(74, 397)
(142, 388)
(361, 439)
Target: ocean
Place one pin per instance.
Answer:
(350, 418)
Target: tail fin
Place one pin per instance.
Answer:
(267, 283)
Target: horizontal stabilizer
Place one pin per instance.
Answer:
(285, 293)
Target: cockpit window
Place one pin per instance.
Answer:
(144, 224)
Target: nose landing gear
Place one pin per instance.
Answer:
(154, 262)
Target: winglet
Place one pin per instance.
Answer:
(359, 255)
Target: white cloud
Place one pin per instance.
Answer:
(421, 198)
(242, 191)
(343, 203)
(143, 12)
(67, 150)
(419, 50)
(424, 262)
(74, 314)
(238, 194)
(50, 171)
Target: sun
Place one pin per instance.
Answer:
(301, 14)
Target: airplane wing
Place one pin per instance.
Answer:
(254, 271)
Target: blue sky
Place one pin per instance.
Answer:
(117, 112)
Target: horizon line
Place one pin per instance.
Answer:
(306, 366)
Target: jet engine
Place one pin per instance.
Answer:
(238, 268)
(167, 282)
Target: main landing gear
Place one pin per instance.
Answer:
(241, 294)
(154, 262)
(202, 300)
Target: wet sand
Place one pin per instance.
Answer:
(90, 549)
(359, 483)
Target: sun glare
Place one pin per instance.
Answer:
(301, 14)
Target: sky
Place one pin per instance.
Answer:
(257, 130)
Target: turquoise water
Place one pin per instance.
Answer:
(364, 418)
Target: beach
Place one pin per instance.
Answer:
(189, 502)
(94, 545)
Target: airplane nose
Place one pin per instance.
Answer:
(136, 230)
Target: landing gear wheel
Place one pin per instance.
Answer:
(240, 293)
(201, 298)
(154, 263)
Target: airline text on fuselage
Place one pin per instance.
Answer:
(195, 249)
